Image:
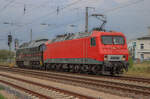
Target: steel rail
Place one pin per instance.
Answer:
(51, 88)
(26, 90)
(142, 90)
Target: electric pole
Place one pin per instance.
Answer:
(86, 17)
(31, 35)
(16, 44)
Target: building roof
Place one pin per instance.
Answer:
(146, 37)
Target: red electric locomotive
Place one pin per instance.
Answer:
(95, 52)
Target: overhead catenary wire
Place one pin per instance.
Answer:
(33, 6)
(123, 6)
(68, 5)
(24, 9)
(117, 8)
(51, 13)
(106, 11)
(5, 6)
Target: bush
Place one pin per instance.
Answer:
(5, 57)
(4, 54)
(148, 69)
(131, 62)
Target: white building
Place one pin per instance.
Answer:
(140, 47)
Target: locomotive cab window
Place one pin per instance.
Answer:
(109, 40)
(93, 41)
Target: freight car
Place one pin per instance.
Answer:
(96, 52)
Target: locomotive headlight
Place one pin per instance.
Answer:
(123, 57)
(105, 57)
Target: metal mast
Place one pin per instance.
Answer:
(86, 17)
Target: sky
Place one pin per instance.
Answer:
(132, 17)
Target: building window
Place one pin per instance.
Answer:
(142, 46)
(93, 41)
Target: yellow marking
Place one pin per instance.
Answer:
(11, 65)
(41, 63)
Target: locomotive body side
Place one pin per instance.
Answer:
(88, 54)
(71, 51)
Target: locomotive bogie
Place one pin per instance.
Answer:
(115, 67)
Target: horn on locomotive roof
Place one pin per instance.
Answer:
(103, 19)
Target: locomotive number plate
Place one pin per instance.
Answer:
(114, 57)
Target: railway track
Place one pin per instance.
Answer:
(145, 80)
(128, 78)
(122, 78)
(125, 78)
(25, 90)
(44, 91)
(100, 85)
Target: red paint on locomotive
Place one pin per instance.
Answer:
(81, 47)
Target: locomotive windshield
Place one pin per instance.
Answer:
(112, 40)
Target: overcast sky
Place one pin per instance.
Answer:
(132, 17)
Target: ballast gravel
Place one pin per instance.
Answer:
(76, 89)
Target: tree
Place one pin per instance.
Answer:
(4, 54)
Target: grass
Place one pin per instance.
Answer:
(7, 64)
(2, 97)
(140, 69)
(1, 87)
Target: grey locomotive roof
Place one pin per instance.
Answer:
(70, 36)
(34, 43)
(63, 37)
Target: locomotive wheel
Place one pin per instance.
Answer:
(95, 69)
(65, 67)
(85, 68)
(112, 72)
(58, 67)
(53, 67)
(71, 68)
(77, 68)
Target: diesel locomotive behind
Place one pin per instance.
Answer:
(30, 54)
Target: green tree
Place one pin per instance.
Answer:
(5, 54)
(131, 62)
